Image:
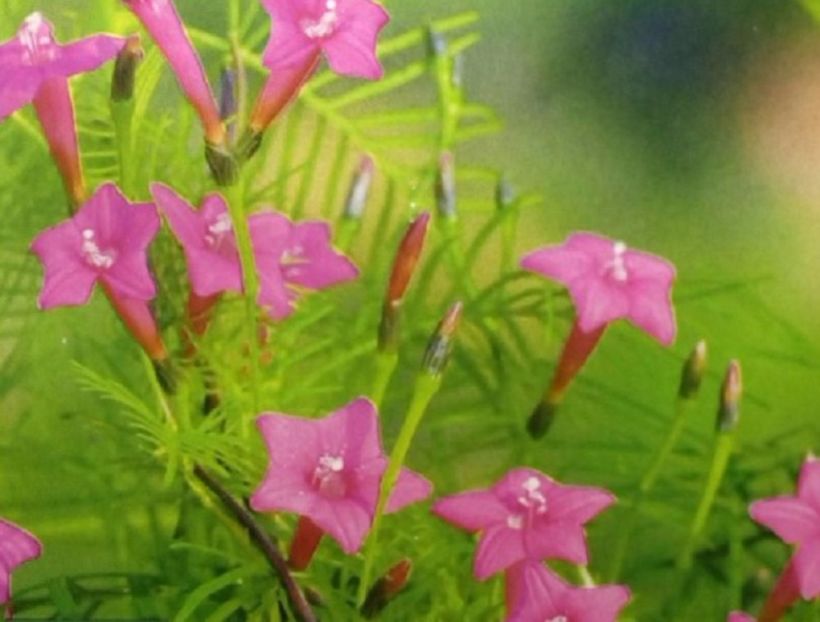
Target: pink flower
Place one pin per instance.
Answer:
(162, 21)
(292, 257)
(345, 30)
(105, 242)
(526, 515)
(329, 470)
(607, 281)
(796, 520)
(207, 238)
(536, 595)
(34, 67)
(17, 546)
(740, 616)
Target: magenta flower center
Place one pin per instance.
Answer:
(329, 477)
(616, 268)
(37, 41)
(92, 253)
(530, 503)
(324, 26)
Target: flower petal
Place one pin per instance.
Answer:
(791, 519)
(88, 54)
(650, 308)
(473, 510)
(344, 520)
(559, 263)
(577, 503)
(183, 219)
(316, 264)
(598, 303)
(17, 88)
(808, 486)
(129, 277)
(68, 279)
(499, 548)
(561, 540)
(410, 488)
(807, 566)
(16, 547)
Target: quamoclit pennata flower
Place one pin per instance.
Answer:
(105, 242)
(536, 594)
(606, 281)
(161, 20)
(17, 546)
(796, 520)
(740, 616)
(34, 68)
(293, 257)
(525, 516)
(345, 30)
(329, 471)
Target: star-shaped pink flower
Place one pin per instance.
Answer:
(607, 281)
(796, 520)
(292, 257)
(17, 546)
(329, 470)
(526, 515)
(207, 237)
(536, 594)
(740, 616)
(106, 241)
(33, 57)
(345, 30)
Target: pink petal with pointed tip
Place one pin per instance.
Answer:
(597, 604)
(558, 263)
(293, 442)
(577, 503)
(556, 540)
(650, 308)
(352, 432)
(88, 54)
(351, 50)
(598, 304)
(808, 486)
(410, 488)
(473, 510)
(498, 548)
(807, 567)
(791, 519)
(740, 616)
(17, 89)
(345, 521)
(318, 265)
(288, 47)
(17, 546)
(68, 280)
(181, 215)
(129, 277)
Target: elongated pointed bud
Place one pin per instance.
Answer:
(359, 190)
(387, 587)
(730, 394)
(440, 347)
(446, 186)
(404, 266)
(125, 69)
(228, 107)
(693, 370)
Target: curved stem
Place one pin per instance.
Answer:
(263, 541)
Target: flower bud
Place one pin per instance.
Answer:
(125, 69)
(446, 186)
(693, 370)
(222, 163)
(730, 394)
(404, 265)
(386, 588)
(359, 190)
(440, 347)
(227, 94)
(438, 43)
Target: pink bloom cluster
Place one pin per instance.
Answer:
(290, 257)
(523, 519)
(329, 470)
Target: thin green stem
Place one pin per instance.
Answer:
(424, 390)
(720, 459)
(386, 363)
(236, 207)
(122, 113)
(647, 483)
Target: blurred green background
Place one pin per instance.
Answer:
(690, 129)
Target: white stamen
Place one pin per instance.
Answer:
(93, 254)
(515, 521)
(558, 619)
(617, 267)
(332, 463)
(533, 498)
(325, 25)
(35, 37)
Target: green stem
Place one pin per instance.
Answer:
(647, 483)
(386, 362)
(236, 197)
(585, 576)
(424, 390)
(122, 113)
(720, 460)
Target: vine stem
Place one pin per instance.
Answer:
(263, 541)
(426, 387)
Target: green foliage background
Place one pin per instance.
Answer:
(87, 464)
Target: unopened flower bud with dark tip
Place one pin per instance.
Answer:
(693, 370)
(440, 347)
(446, 186)
(730, 394)
(404, 266)
(125, 69)
(386, 588)
(359, 190)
